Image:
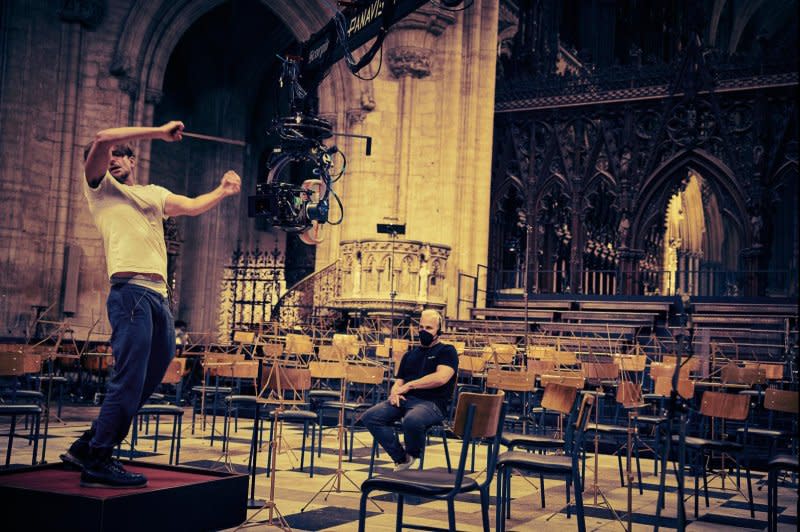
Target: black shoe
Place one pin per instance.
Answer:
(77, 455)
(110, 474)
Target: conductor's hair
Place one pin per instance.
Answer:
(120, 149)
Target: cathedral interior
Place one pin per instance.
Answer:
(598, 197)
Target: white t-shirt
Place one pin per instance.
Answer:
(130, 219)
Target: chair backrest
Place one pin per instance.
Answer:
(299, 344)
(500, 353)
(297, 379)
(635, 363)
(174, 372)
(347, 344)
(364, 373)
(629, 394)
(567, 378)
(772, 371)
(687, 364)
(398, 343)
(511, 381)
(662, 369)
(471, 365)
(457, 344)
(487, 411)
(731, 406)
(13, 362)
(576, 427)
(541, 367)
(245, 369)
(733, 374)
(244, 337)
(781, 400)
(663, 387)
(478, 416)
(272, 350)
(559, 398)
(329, 352)
(599, 370)
(552, 355)
(327, 370)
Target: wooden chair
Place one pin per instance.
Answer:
(14, 362)
(558, 399)
(775, 402)
(514, 383)
(565, 466)
(296, 382)
(716, 407)
(478, 417)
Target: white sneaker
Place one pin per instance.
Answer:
(409, 463)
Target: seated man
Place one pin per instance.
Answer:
(420, 395)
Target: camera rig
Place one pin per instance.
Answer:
(304, 208)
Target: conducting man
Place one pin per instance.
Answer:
(130, 219)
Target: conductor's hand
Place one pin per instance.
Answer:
(231, 183)
(171, 131)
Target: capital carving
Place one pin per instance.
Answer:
(410, 61)
(153, 96)
(431, 18)
(87, 13)
(129, 85)
(355, 116)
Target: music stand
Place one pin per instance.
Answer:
(392, 230)
(334, 483)
(275, 397)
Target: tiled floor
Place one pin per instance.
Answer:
(338, 511)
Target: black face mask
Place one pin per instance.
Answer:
(425, 338)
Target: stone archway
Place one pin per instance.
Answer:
(687, 235)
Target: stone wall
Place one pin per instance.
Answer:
(69, 69)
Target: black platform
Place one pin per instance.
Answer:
(49, 497)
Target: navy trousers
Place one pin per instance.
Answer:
(416, 414)
(143, 344)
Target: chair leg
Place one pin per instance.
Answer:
(750, 492)
(303, 449)
(398, 525)
(37, 420)
(541, 488)
(638, 466)
(485, 509)
(451, 515)
(569, 508)
(155, 441)
(621, 475)
(499, 512)
(446, 452)
(11, 439)
(133, 437)
(362, 511)
(578, 487)
(372, 457)
(313, 442)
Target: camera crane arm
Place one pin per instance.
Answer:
(358, 23)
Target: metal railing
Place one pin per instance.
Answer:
(703, 282)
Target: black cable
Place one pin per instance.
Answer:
(453, 10)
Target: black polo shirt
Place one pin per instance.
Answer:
(422, 361)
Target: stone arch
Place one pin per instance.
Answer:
(668, 177)
(153, 28)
